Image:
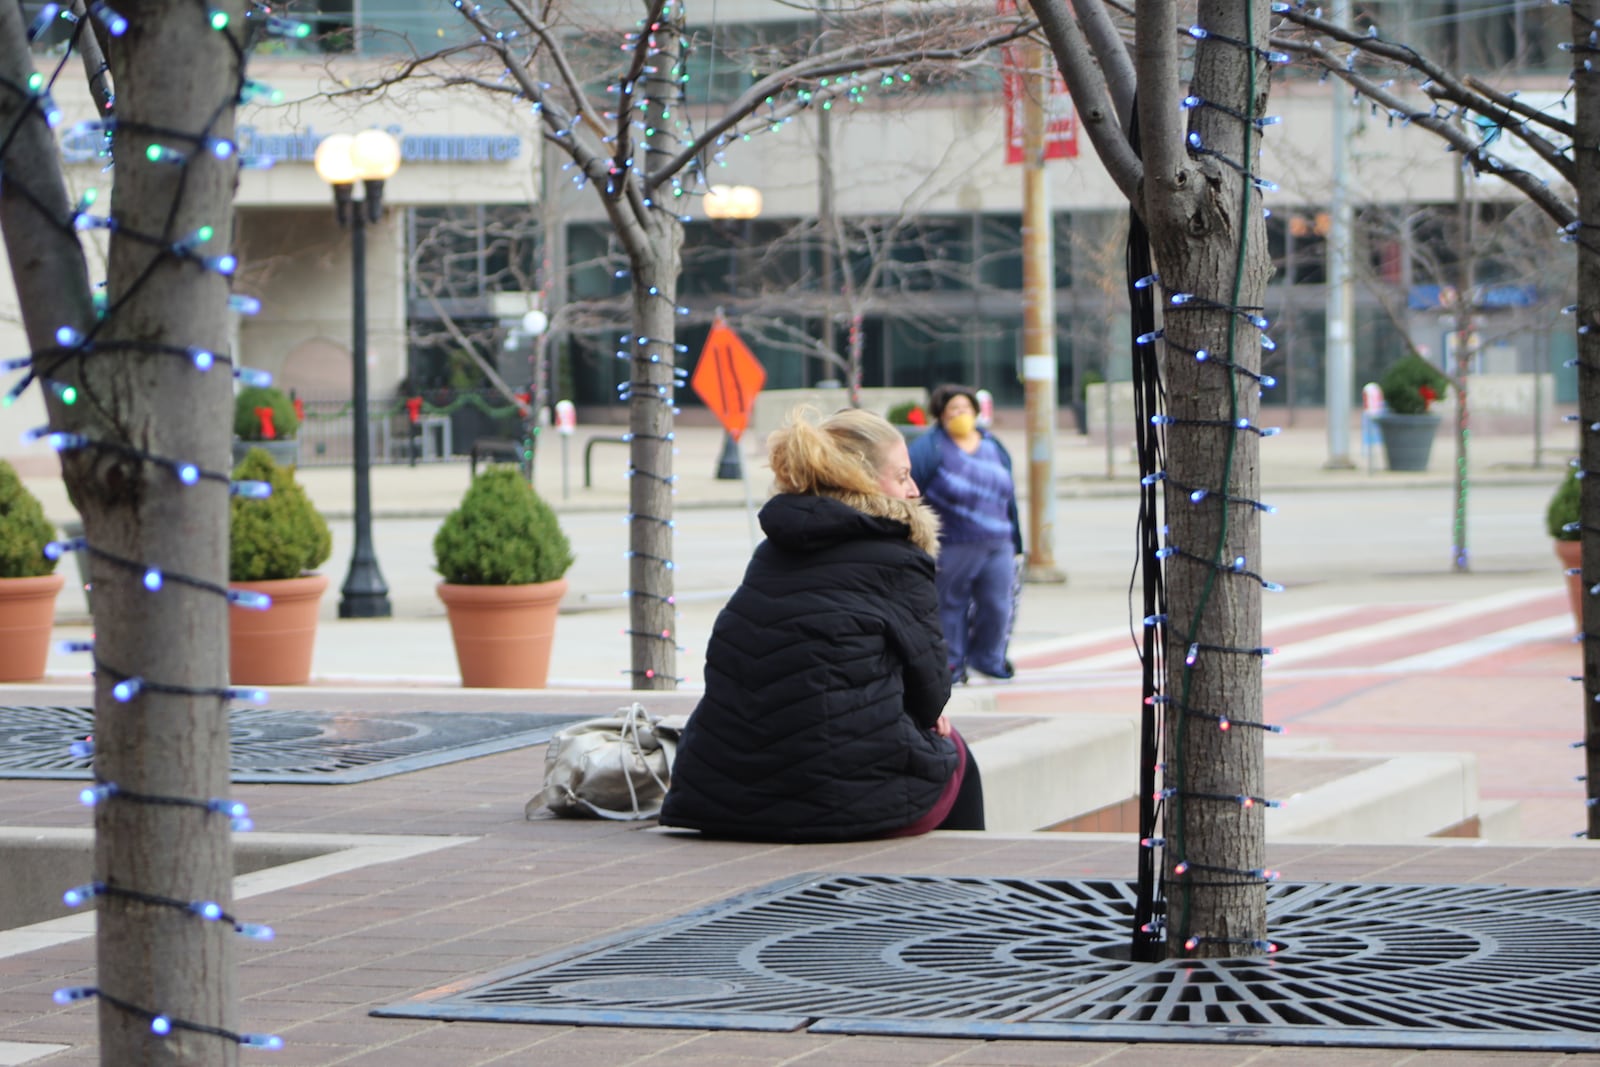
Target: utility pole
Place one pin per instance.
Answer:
(1038, 318)
(1341, 319)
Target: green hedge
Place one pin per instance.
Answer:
(247, 424)
(284, 535)
(1566, 507)
(24, 531)
(502, 534)
(1403, 382)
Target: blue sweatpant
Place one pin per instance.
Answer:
(974, 584)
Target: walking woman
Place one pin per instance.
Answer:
(965, 475)
(826, 675)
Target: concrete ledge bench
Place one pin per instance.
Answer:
(1079, 773)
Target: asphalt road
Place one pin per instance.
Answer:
(1356, 537)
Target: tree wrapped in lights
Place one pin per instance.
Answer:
(124, 369)
(1187, 158)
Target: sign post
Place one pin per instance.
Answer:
(727, 378)
(566, 422)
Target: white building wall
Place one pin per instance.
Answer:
(943, 154)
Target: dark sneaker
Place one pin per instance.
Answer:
(1008, 672)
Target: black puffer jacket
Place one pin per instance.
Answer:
(825, 675)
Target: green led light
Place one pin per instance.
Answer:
(204, 234)
(219, 20)
(35, 81)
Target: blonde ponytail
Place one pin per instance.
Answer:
(841, 454)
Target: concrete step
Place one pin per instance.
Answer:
(1080, 773)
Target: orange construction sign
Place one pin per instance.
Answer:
(728, 377)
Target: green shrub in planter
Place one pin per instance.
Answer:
(1566, 508)
(283, 536)
(1403, 384)
(909, 413)
(502, 534)
(24, 531)
(247, 424)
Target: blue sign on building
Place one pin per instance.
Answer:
(86, 143)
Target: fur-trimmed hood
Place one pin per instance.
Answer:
(803, 522)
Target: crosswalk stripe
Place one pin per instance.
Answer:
(1305, 652)
(1389, 629)
(1486, 645)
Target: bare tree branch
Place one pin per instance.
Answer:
(1440, 84)
(1160, 126)
(1472, 151)
(812, 69)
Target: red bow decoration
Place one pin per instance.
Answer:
(299, 409)
(1428, 395)
(414, 408)
(269, 432)
(917, 417)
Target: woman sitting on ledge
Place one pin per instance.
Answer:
(826, 674)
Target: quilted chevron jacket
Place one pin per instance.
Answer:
(825, 674)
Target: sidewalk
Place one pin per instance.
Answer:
(1294, 461)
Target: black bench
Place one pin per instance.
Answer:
(500, 448)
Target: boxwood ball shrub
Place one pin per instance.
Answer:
(24, 531)
(1566, 507)
(909, 413)
(247, 424)
(502, 534)
(1404, 381)
(284, 535)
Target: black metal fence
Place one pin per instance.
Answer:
(446, 423)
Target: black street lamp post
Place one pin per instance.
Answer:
(371, 157)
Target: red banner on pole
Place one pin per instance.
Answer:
(1061, 118)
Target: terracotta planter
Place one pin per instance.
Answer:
(503, 633)
(27, 614)
(1570, 553)
(274, 647)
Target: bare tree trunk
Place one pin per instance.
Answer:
(1586, 179)
(163, 744)
(1209, 241)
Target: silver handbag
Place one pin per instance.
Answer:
(616, 767)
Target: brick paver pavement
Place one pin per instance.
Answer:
(510, 889)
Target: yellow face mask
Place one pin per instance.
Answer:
(961, 425)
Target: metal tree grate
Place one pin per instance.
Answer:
(1417, 966)
(309, 747)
